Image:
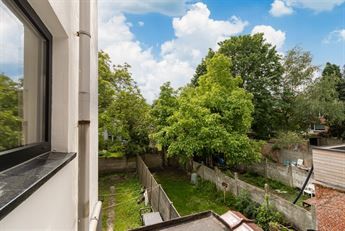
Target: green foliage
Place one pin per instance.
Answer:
(298, 74)
(188, 198)
(245, 205)
(267, 214)
(214, 118)
(124, 119)
(127, 192)
(289, 139)
(201, 68)
(289, 194)
(163, 108)
(320, 100)
(275, 226)
(258, 63)
(10, 120)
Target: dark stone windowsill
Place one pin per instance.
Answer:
(19, 182)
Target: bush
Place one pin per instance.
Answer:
(245, 205)
(275, 226)
(288, 140)
(266, 215)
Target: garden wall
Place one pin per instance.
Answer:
(299, 217)
(127, 164)
(289, 175)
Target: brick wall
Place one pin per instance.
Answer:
(330, 209)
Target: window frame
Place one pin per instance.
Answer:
(12, 157)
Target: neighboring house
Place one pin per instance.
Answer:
(48, 115)
(329, 178)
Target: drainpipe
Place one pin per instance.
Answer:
(84, 115)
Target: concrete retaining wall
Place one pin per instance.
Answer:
(289, 175)
(299, 217)
(127, 164)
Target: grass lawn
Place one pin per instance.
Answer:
(259, 181)
(127, 191)
(188, 198)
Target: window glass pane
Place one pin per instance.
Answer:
(22, 80)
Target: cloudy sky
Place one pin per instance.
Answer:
(165, 40)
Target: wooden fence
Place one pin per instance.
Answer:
(158, 199)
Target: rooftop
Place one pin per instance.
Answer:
(206, 221)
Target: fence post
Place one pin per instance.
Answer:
(170, 210)
(290, 175)
(266, 167)
(236, 184)
(151, 188)
(159, 196)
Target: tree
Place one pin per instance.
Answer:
(123, 113)
(10, 120)
(298, 74)
(163, 108)
(320, 100)
(333, 71)
(258, 63)
(214, 117)
(201, 68)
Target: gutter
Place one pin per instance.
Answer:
(86, 221)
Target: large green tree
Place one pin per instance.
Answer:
(320, 100)
(259, 65)
(123, 113)
(298, 75)
(162, 109)
(214, 117)
(333, 71)
(10, 120)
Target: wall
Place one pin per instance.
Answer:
(288, 175)
(108, 165)
(298, 216)
(54, 206)
(291, 155)
(124, 164)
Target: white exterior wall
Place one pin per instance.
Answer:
(54, 206)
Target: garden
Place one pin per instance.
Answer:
(189, 199)
(125, 210)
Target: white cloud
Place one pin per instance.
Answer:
(285, 7)
(335, 36)
(272, 36)
(141, 23)
(11, 37)
(195, 32)
(280, 8)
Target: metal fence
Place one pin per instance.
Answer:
(158, 199)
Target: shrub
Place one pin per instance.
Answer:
(266, 214)
(245, 205)
(288, 140)
(275, 226)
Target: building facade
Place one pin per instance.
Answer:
(49, 125)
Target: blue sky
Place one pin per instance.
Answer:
(165, 40)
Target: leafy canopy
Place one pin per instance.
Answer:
(161, 110)
(123, 113)
(258, 63)
(214, 117)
